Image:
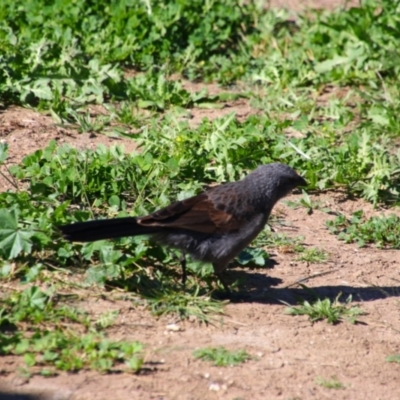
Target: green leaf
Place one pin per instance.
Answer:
(41, 89)
(328, 65)
(30, 359)
(395, 358)
(22, 346)
(377, 115)
(114, 201)
(135, 363)
(3, 152)
(253, 256)
(13, 240)
(35, 297)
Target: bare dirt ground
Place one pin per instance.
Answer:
(291, 354)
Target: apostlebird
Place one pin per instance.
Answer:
(213, 226)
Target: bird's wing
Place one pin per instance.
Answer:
(198, 213)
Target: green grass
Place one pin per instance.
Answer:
(313, 255)
(332, 383)
(280, 242)
(217, 40)
(54, 337)
(395, 358)
(307, 203)
(185, 305)
(324, 91)
(383, 231)
(332, 312)
(222, 357)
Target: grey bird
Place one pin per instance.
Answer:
(214, 226)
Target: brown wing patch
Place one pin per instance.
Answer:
(196, 213)
(173, 210)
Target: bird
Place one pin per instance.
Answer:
(213, 226)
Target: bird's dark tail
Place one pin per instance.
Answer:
(105, 229)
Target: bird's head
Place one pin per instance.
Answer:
(276, 180)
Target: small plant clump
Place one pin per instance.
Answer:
(383, 231)
(332, 312)
(221, 357)
(395, 358)
(332, 383)
(61, 338)
(313, 255)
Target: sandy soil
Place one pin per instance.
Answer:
(291, 354)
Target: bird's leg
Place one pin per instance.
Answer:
(182, 260)
(218, 272)
(222, 280)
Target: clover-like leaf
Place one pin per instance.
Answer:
(13, 240)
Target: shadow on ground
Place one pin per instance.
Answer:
(18, 396)
(259, 288)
